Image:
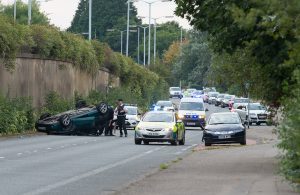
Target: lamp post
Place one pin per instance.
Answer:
(128, 18)
(149, 40)
(90, 19)
(121, 31)
(29, 9)
(15, 11)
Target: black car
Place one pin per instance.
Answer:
(84, 120)
(223, 128)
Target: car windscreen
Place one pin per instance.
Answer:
(214, 95)
(131, 111)
(198, 106)
(164, 103)
(228, 97)
(220, 96)
(158, 117)
(175, 89)
(241, 100)
(256, 107)
(224, 119)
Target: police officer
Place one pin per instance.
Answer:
(121, 117)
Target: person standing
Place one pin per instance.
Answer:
(121, 117)
(109, 124)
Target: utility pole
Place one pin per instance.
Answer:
(122, 42)
(90, 19)
(29, 12)
(15, 11)
(149, 40)
(127, 36)
(138, 58)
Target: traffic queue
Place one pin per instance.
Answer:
(165, 121)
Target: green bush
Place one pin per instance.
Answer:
(16, 115)
(289, 133)
(55, 104)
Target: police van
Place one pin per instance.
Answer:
(192, 112)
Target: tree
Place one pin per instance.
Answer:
(106, 15)
(37, 16)
(266, 29)
(194, 61)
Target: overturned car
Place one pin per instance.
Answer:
(82, 121)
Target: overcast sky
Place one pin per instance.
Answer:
(61, 12)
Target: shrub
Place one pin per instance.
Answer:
(55, 104)
(16, 115)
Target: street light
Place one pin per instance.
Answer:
(121, 31)
(90, 19)
(128, 17)
(155, 26)
(149, 40)
(29, 9)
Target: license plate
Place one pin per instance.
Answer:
(191, 124)
(224, 136)
(262, 117)
(42, 128)
(154, 134)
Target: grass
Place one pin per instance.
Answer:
(163, 166)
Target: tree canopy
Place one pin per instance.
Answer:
(37, 17)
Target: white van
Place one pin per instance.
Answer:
(192, 112)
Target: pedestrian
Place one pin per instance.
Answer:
(109, 124)
(121, 117)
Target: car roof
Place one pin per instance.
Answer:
(192, 100)
(224, 113)
(164, 101)
(130, 106)
(160, 112)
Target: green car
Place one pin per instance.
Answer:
(83, 121)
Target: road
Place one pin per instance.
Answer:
(81, 164)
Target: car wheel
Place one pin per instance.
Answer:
(102, 108)
(258, 123)
(207, 144)
(244, 142)
(182, 141)
(66, 123)
(137, 142)
(146, 142)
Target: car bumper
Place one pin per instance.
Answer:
(234, 138)
(131, 124)
(257, 120)
(161, 137)
(194, 123)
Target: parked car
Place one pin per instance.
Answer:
(175, 92)
(226, 100)
(160, 126)
(219, 99)
(85, 120)
(192, 112)
(223, 128)
(132, 116)
(212, 97)
(238, 101)
(258, 113)
(164, 105)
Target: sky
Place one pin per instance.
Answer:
(61, 12)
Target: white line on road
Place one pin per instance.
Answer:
(88, 174)
(49, 148)
(19, 153)
(2, 157)
(184, 149)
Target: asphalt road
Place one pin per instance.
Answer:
(82, 165)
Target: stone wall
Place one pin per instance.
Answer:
(34, 77)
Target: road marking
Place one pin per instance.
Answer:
(88, 174)
(62, 146)
(49, 148)
(19, 153)
(189, 147)
(35, 151)
(74, 144)
(2, 157)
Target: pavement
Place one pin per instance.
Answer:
(221, 170)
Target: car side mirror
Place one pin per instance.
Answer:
(206, 110)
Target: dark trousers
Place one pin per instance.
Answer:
(121, 124)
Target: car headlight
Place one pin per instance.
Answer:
(202, 116)
(138, 128)
(168, 129)
(180, 116)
